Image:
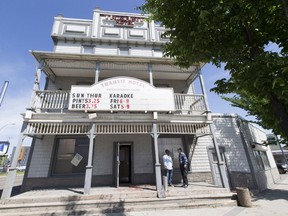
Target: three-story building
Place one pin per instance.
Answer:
(107, 78)
(111, 105)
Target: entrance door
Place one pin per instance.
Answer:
(125, 164)
(122, 163)
(215, 169)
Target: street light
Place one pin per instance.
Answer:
(3, 91)
(6, 125)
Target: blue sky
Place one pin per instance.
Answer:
(26, 25)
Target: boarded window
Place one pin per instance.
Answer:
(66, 149)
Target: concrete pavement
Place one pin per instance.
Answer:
(273, 201)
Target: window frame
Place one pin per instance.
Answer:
(77, 142)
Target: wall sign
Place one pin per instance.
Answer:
(121, 94)
(4, 146)
(76, 159)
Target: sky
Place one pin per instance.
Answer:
(26, 25)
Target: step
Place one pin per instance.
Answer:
(43, 196)
(72, 202)
(90, 207)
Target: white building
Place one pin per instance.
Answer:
(249, 163)
(112, 104)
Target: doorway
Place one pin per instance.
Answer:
(215, 168)
(123, 164)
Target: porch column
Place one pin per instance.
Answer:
(97, 71)
(88, 172)
(160, 192)
(220, 163)
(150, 73)
(36, 85)
(10, 179)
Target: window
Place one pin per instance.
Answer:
(88, 49)
(86, 83)
(262, 160)
(123, 50)
(157, 52)
(66, 149)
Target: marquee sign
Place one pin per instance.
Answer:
(121, 94)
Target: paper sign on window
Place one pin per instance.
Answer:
(76, 160)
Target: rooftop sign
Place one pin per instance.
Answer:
(121, 94)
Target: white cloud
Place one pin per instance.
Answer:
(16, 99)
(10, 113)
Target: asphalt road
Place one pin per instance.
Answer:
(17, 184)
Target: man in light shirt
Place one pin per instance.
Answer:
(168, 166)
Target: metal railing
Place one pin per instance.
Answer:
(58, 100)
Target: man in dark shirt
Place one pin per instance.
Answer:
(183, 162)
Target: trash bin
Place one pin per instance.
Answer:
(243, 197)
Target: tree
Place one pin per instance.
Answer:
(239, 33)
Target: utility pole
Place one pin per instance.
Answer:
(3, 91)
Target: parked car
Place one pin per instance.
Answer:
(282, 168)
(21, 168)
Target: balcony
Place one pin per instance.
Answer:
(52, 117)
(57, 102)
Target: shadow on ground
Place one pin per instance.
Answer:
(272, 194)
(15, 191)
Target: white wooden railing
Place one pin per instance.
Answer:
(58, 100)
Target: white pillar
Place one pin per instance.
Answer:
(160, 191)
(36, 85)
(150, 73)
(152, 30)
(97, 71)
(96, 23)
(10, 179)
(88, 172)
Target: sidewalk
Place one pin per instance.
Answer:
(273, 201)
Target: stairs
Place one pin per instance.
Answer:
(103, 201)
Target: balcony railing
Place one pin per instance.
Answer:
(54, 101)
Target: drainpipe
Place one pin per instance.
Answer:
(220, 163)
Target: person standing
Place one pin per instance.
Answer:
(183, 163)
(168, 166)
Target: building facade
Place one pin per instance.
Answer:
(248, 161)
(112, 104)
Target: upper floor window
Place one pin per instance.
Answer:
(123, 50)
(157, 52)
(88, 49)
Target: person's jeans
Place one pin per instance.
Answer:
(184, 173)
(169, 174)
